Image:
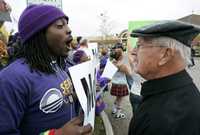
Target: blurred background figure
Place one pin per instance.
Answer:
(104, 53)
(13, 47)
(119, 87)
(192, 63)
(78, 39)
(73, 46)
(5, 10)
(3, 55)
(79, 57)
(102, 81)
(84, 47)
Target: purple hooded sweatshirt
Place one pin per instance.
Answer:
(32, 103)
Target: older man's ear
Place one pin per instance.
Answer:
(166, 55)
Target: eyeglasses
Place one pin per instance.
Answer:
(138, 46)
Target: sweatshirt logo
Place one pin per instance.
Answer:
(51, 101)
(67, 87)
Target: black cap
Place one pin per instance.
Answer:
(183, 32)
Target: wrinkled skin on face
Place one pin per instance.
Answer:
(145, 59)
(59, 37)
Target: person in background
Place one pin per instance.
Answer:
(104, 53)
(119, 83)
(5, 10)
(192, 57)
(73, 46)
(3, 55)
(102, 81)
(101, 87)
(169, 94)
(3, 52)
(37, 96)
(80, 56)
(84, 47)
(78, 39)
(13, 47)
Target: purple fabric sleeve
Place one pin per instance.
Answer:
(12, 107)
(101, 80)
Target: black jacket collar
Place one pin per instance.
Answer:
(165, 84)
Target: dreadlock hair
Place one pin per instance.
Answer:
(37, 54)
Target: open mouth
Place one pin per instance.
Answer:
(67, 43)
(69, 40)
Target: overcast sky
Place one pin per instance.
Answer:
(84, 14)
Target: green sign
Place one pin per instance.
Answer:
(56, 3)
(135, 25)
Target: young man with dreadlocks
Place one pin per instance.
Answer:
(36, 94)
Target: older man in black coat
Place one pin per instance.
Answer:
(171, 101)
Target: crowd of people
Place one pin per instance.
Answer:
(37, 95)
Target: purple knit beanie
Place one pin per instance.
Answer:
(37, 17)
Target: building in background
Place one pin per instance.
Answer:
(195, 20)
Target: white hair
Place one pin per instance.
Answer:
(184, 51)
